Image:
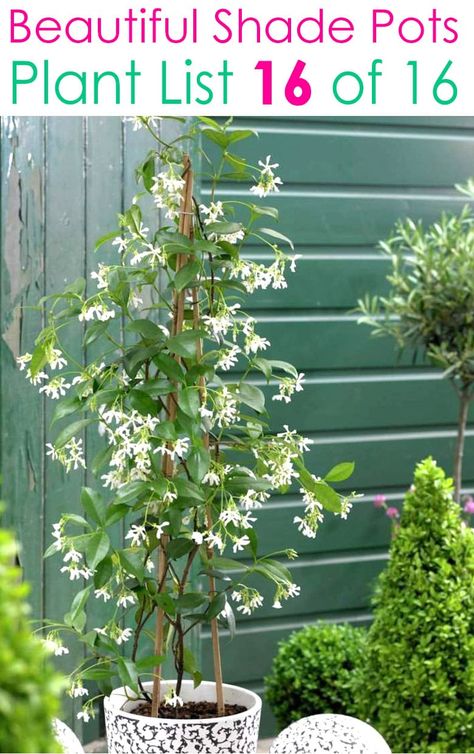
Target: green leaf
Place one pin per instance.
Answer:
(128, 673)
(216, 607)
(186, 275)
(69, 432)
(277, 235)
(188, 490)
(252, 396)
(94, 332)
(132, 560)
(340, 473)
(264, 211)
(190, 401)
(116, 513)
(177, 548)
(76, 616)
(131, 492)
(38, 360)
(239, 134)
(97, 674)
(104, 572)
(218, 137)
(224, 229)
(101, 459)
(198, 463)
(169, 367)
(284, 366)
(93, 505)
(142, 402)
(105, 239)
(149, 663)
(328, 498)
(66, 407)
(184, 344)
(190, 601)
(146, 328)
(98, 549)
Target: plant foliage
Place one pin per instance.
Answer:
(29, 688)
(417, 683)
(188, 457)
(313, 672)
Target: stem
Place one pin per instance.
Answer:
(464, 401)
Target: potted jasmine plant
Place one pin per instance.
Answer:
(188, 458)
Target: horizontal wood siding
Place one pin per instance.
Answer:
(346, 183)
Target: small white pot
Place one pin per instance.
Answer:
(128, 733)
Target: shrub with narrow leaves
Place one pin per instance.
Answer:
(313, 672)
(417, 684)
(29, 688)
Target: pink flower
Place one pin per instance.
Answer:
(393, 513)
(469, 506)
(379, 501)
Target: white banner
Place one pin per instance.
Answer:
(236, 57)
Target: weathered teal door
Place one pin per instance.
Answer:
(63, 180)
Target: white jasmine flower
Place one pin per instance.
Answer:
(240, 544)
(213, 213)
(100, 631)
(214, 540)
(83, 715)
(121, 243)
(228, 358)
(173, 700)
(56, 359)
(73, 571)
(22, 361)
(73, 556)
(197, 537)
(149, 565)
(56, 388)
(78, 690)
(247, 521)
(137, 534)
(267, 181)
(160, 528)
(104, 593)
(125, 598)
(231, 516)
(37, 379)
(289, 386)
(97, 311)
(101, 275)
(212, 478)
(53, 644)
(123, 636)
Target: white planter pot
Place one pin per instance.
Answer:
(238, 734)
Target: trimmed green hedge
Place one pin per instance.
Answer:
(417, 682)
(313, 672)
(29, 687)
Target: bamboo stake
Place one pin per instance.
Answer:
(185, 228)
(216, 649)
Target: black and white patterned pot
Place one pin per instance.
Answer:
(128, 733)
(330, 734)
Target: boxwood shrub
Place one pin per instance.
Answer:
(417, 682)
(313, 672)
(29, 687)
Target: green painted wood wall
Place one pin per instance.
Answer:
(346, 183)
(63, 180)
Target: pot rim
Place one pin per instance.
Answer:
(121, 692)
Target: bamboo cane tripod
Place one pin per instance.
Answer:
(179, 298)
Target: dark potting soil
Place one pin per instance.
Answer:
(189, 710)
